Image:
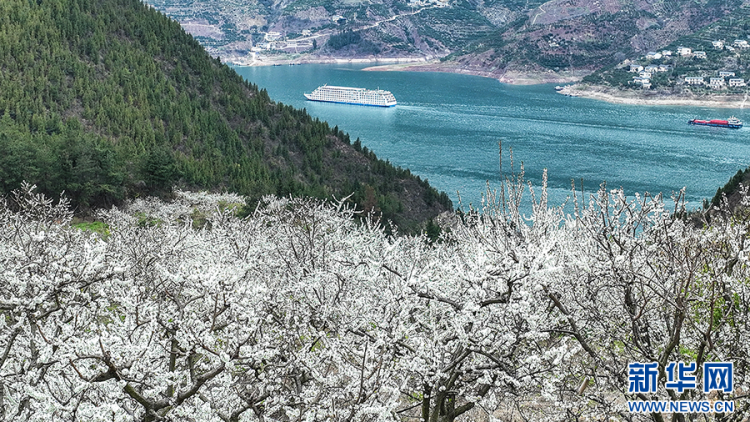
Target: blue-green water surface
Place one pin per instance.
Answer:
(446, 128)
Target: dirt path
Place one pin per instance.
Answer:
(538, 14)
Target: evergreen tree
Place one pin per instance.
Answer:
(144, 104)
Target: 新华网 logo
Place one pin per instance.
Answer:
(717, 376)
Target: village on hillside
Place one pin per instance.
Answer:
(722, 67)
(713, 62)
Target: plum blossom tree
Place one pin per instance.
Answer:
(299, 313)
(642, 285)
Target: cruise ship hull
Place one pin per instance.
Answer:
(345, 102)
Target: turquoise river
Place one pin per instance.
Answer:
(446, 128)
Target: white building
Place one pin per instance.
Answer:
(653, 55)
(725, 73)
(272, 36)
(684, 51)
(644, 74)
(641, 81)
(699, 54)
(666, 53)
(736, 82)
(741, 44)
(665, 67)
(636, 68)
(718, 45)
(716, 83)
(694, 80)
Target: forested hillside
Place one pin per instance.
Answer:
(108, 98)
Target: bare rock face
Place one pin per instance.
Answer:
(558, 35)
(313, 14)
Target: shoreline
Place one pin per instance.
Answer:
(615, 96)
(279, 61)
(514, 77)
(511, 77)
(418, 64)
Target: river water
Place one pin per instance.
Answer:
(446, 128)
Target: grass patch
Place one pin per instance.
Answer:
(98, 227)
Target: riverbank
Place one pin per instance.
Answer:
(414, 64)
(256, 60)
(512, 77)
(633, 97)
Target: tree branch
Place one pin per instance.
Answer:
(8, 346)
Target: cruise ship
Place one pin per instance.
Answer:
(347, 95)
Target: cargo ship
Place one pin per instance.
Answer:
(731, 123)
(357, 96)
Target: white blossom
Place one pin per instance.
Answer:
(299, 313)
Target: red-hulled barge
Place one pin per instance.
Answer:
(731, 123)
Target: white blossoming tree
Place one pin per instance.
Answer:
(298, 313)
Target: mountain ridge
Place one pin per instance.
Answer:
(481, 36)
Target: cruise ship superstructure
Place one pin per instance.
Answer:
(347, 95)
